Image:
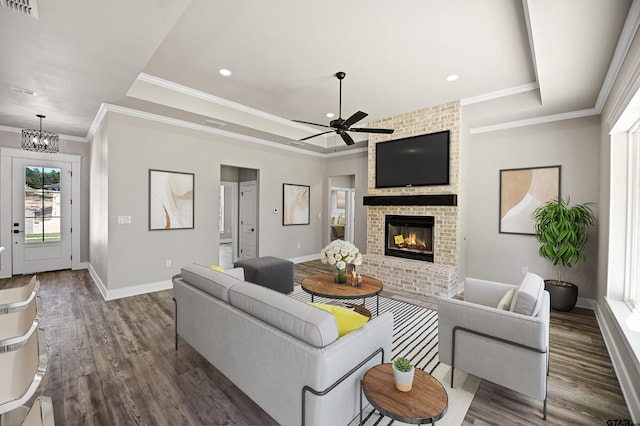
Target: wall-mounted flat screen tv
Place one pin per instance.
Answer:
(416, 161)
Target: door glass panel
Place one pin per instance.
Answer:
(42, 204)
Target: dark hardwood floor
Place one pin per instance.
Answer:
(113, 363)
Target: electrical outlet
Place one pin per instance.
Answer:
(167, 263)
(299, 245)
(525, 270)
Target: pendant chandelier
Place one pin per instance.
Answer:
(39, 140)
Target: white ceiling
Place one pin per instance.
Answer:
(163, 56)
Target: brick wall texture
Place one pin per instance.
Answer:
(437, 279)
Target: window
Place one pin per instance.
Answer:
(41, 204)
(632, 269)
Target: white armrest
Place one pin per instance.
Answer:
(518, 328)
(236, 273)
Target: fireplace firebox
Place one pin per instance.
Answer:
(410, 237)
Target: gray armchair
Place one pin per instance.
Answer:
(508, 346)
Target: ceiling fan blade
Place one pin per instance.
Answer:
(318, 134)
(347, 139)
(371, 130)
(314, 124)
(353, 119)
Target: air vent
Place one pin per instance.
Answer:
(24, 91)
(26, 7)
(213, 123)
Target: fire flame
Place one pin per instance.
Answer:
(413, 242)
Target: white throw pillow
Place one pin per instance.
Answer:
(505, 302)
(529, 295)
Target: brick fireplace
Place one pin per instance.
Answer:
(439, 276)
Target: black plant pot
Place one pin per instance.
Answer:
(564, 295)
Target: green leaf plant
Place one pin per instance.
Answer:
(562, 231)
(402, 364)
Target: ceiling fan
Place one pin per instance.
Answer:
(341, 126)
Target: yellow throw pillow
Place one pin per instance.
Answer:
(217, 268)
(347, 319)
(505, 302)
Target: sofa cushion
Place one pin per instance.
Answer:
(528, 298)
(210, 281)
(298, 319)
(347, 319)
(505, 302)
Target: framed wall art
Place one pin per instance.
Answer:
(170, 200)
(295, 204)
(521, 192)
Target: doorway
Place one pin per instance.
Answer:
(238, 216)
(38, 212)
(342, 208)
(228, 223)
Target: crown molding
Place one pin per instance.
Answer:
(185, 90)
(627, 35)
(535, 120)
(500, 94)
(201, 128)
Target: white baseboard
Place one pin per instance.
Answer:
(584, 302)
(120, 293)
(80, 265)
(98, 281)
(626, 385)
(307, 258)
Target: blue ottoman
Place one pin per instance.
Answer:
(268, 271)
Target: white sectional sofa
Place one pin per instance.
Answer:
(283, 353)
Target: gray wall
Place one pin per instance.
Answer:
(356, 165)
(573, 144)
(136, 255)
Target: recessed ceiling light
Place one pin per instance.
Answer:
(225, 72)
(452, 77)
(330, 115)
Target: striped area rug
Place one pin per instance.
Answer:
(415, 336)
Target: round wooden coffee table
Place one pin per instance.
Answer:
(426, 402)
(322, 285)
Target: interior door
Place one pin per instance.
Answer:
(41, 215)
(248, 220)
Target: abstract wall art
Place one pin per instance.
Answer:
(170, 200)
(295, 204)
(521, 192)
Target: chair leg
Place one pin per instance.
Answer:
(544, 410)
(175, 322)
(452, 377)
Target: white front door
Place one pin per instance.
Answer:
(41, 215)
(248, 220)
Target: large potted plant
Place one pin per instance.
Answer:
(562, 233)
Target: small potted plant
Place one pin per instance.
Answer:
(562, 233)
(403, 374)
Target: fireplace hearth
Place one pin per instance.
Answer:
(409, 237)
